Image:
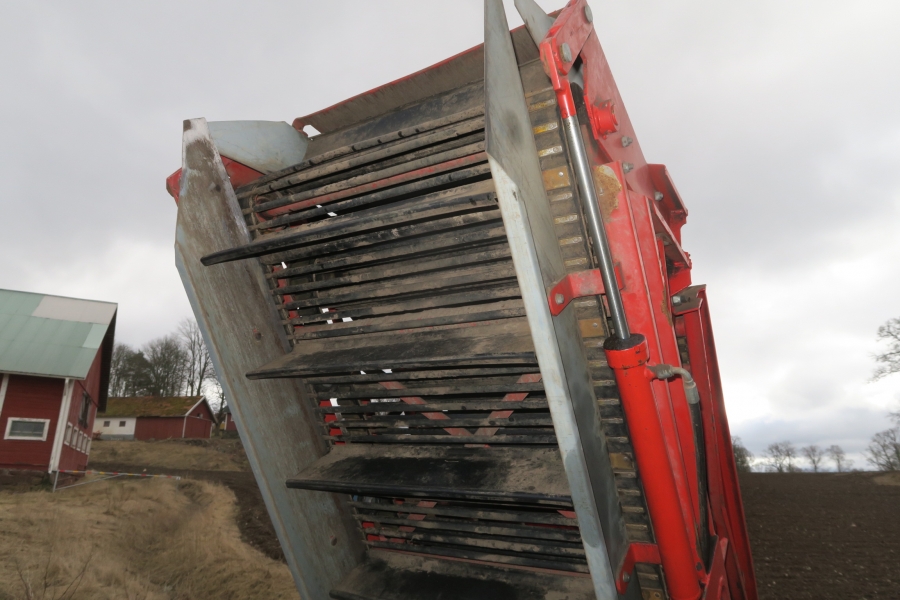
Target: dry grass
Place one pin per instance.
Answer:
(204, 455)
(887, 479)
(138, 539)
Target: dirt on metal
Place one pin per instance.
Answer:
(824, 535)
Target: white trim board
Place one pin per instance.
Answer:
(3, 385)
(22, 438)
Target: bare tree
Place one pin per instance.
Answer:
(128, 372)
(198, 367)
(215, 395)
(837, 454)
(743, 458)
(890, 359)
(118, 369)
(814, 455)
(166, 366)
(884, 450)
(781, 457)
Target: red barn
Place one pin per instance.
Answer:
(228, 423)
(152, 418)
(54, 375)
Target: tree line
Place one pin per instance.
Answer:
(883, 451)
(177, 364)
(783, 457)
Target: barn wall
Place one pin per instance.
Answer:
(158, 428)
(74, 455)
(229, 423)
(31, 398)
(161, 428)
(115, 431)
(198, 428)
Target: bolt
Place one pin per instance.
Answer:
(559, 298)
(658, 196)
(596, 324)
(565, 52)
(626, 577)
(588, 14)
(256, 334)
(626, 141)
(676, 300)
(627, 167)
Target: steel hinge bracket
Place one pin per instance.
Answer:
(578, 285)
(638, 552)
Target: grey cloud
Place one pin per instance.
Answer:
(777, 121)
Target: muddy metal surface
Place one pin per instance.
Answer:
(824, 535)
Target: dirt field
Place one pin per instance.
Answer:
(217, 460)
(824, 535)
(137, 539)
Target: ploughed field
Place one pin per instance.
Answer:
(814, 535)
(824, 535)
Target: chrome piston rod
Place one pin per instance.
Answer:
(591, 204)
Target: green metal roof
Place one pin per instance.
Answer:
(52, 336)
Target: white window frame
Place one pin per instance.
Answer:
(81, 440)
(9, 423)
(68, 439)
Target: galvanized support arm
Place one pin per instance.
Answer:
(241, 331)
(539, 265)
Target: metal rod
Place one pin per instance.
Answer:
(594, 220)
(87, 482)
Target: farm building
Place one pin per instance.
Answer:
(152, 418)
(227, 423)
(54, 375)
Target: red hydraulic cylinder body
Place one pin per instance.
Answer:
(627, 359)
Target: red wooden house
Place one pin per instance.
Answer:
(227, 423)
(54, 374)
(153, 418)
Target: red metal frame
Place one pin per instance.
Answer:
(238, 173)
(637, 553)
(577, 285)
(643, 216)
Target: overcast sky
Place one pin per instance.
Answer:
(779, 122)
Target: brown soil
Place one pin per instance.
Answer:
(814, 535)
(824, 535)
(252, 518)
(154, 539)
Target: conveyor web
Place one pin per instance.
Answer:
(389, 264)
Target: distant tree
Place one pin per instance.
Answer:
(215, 395)
(743, 458)
(814, 455)
(167, 365)
(837, 454)
(884, 450)
(198, 368)
(889, 359)
(118, 372)
(128, 372)
(781, 456)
